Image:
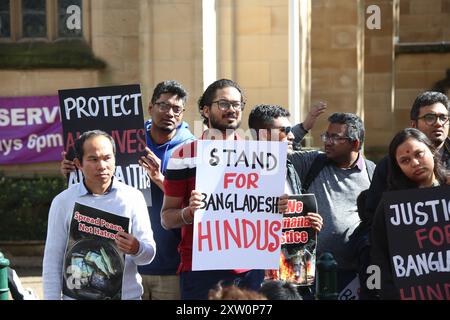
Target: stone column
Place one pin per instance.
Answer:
(379, 58)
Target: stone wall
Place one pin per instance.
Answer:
(378, 78)
(334, 53)
(420, 21)
(424, 20)
(353, 68)
(253, 49)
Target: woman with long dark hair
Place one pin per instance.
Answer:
(412, 164)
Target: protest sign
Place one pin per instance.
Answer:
(238, 226)
(298, 243)
(418, 230)
(116, 110)
(93, 264)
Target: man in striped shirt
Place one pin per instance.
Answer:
(221, 107)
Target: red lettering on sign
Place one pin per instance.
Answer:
(245, 224)
(436, 235)
(141, 140)
(240, 180)
(438, 291)
(292, 236)
(228, 230)
(127, 140)
(206, 236)
(294, 206)
(70, 142)
(260, 234)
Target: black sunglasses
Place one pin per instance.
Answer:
(285, 130)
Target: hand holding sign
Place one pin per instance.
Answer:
(152, 164)
(283, 203)
(195, 202)
(127, 243)
(67, 166)
(315, 220)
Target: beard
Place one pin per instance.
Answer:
(437, 141)
(166, 129)
(222, 123)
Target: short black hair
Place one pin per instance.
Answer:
(427, 98)
(172, 87)
(79, 143)
(279, 290)
(355, 126)
(262, 115)
(207, 97)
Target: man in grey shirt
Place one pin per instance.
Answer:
(343, 175)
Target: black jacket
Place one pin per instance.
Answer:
(379, 255)
(293, 179)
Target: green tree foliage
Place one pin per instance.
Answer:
(24, 205)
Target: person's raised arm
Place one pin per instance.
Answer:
(300, 130)
(316, 110)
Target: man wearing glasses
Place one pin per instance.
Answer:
(165, 131)
(271, 123)
(343, 174)
(429, 114)
(221, 107)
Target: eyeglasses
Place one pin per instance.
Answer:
(166, 107)
(333, 138)
(225, 105)
(285, 129)
(431, 118)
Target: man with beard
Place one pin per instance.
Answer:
(221, 107)
(165, 131)
(429, 114)
(271, 123)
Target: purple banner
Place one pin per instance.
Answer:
(30, 130)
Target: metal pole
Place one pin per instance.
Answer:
(4, 288)
(326, 282)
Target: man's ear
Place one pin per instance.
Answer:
(77, 163)
(150, 108)
(356, 145)
(205, 112)
(414, 124)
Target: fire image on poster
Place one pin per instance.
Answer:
(93, 265)
(298, 243)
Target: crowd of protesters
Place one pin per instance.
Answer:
(350, 221)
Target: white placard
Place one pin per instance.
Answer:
(238, 226)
